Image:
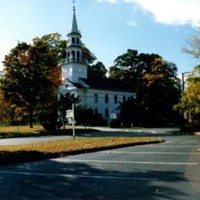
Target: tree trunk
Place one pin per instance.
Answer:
(30, 117)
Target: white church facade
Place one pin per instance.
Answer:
(103, 95)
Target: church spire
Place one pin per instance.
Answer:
(74, 66)
(74, 9)
(74, 26)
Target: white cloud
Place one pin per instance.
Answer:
(108, 1)
(133, 23)
(172, 12)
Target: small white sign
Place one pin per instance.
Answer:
(69, 114)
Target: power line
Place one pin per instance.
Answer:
(16, 30)
(12, 37)
(14, 34)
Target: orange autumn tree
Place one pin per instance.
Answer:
(32, 76)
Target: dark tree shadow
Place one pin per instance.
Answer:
(54, 180)
(128, 133)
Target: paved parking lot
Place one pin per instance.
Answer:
(169, 170)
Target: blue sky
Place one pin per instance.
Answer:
(108, 27)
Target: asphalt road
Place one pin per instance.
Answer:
(101, 132)
(169, 170)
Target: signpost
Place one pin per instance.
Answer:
(71, 119)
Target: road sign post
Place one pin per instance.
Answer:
(73, 121)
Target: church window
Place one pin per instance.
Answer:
(78, 55)
(116, 99)
(73, 55)
(106, 98)
(96, 98)
(77, 40)
(73, 40)
(124, 99)
(106, 112)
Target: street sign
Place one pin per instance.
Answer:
(69, 114)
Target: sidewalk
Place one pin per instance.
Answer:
(28, 140)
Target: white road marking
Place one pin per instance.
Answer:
(73, 176)
(124, 162)
(162, 153)
(186, 142)
(171, 146)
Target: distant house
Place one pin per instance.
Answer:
(102, 95)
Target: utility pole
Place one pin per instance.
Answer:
(184, 74)
(186, 115)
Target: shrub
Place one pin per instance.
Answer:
(89, 117)
(115, 123)
(49, 121)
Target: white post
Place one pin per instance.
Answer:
(73, 120)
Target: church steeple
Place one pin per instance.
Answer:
(74, 26)
(74, 66)
(74, 49)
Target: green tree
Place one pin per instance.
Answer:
(88, 117)
(32, 74)
(5, 110)
(190, 99)
(65, 103)
(125, 68)
(189, 102)
(159, 92)
(129, 112)
(82, 116)
(155, 82)
(88, 56)
(97, 70)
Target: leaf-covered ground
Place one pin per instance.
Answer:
(21, 153)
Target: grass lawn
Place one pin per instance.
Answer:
(10, 154)
(19, 131)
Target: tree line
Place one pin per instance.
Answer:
(33, 74)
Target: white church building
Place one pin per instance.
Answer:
(102, 95)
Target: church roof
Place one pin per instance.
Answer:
(107, 84)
